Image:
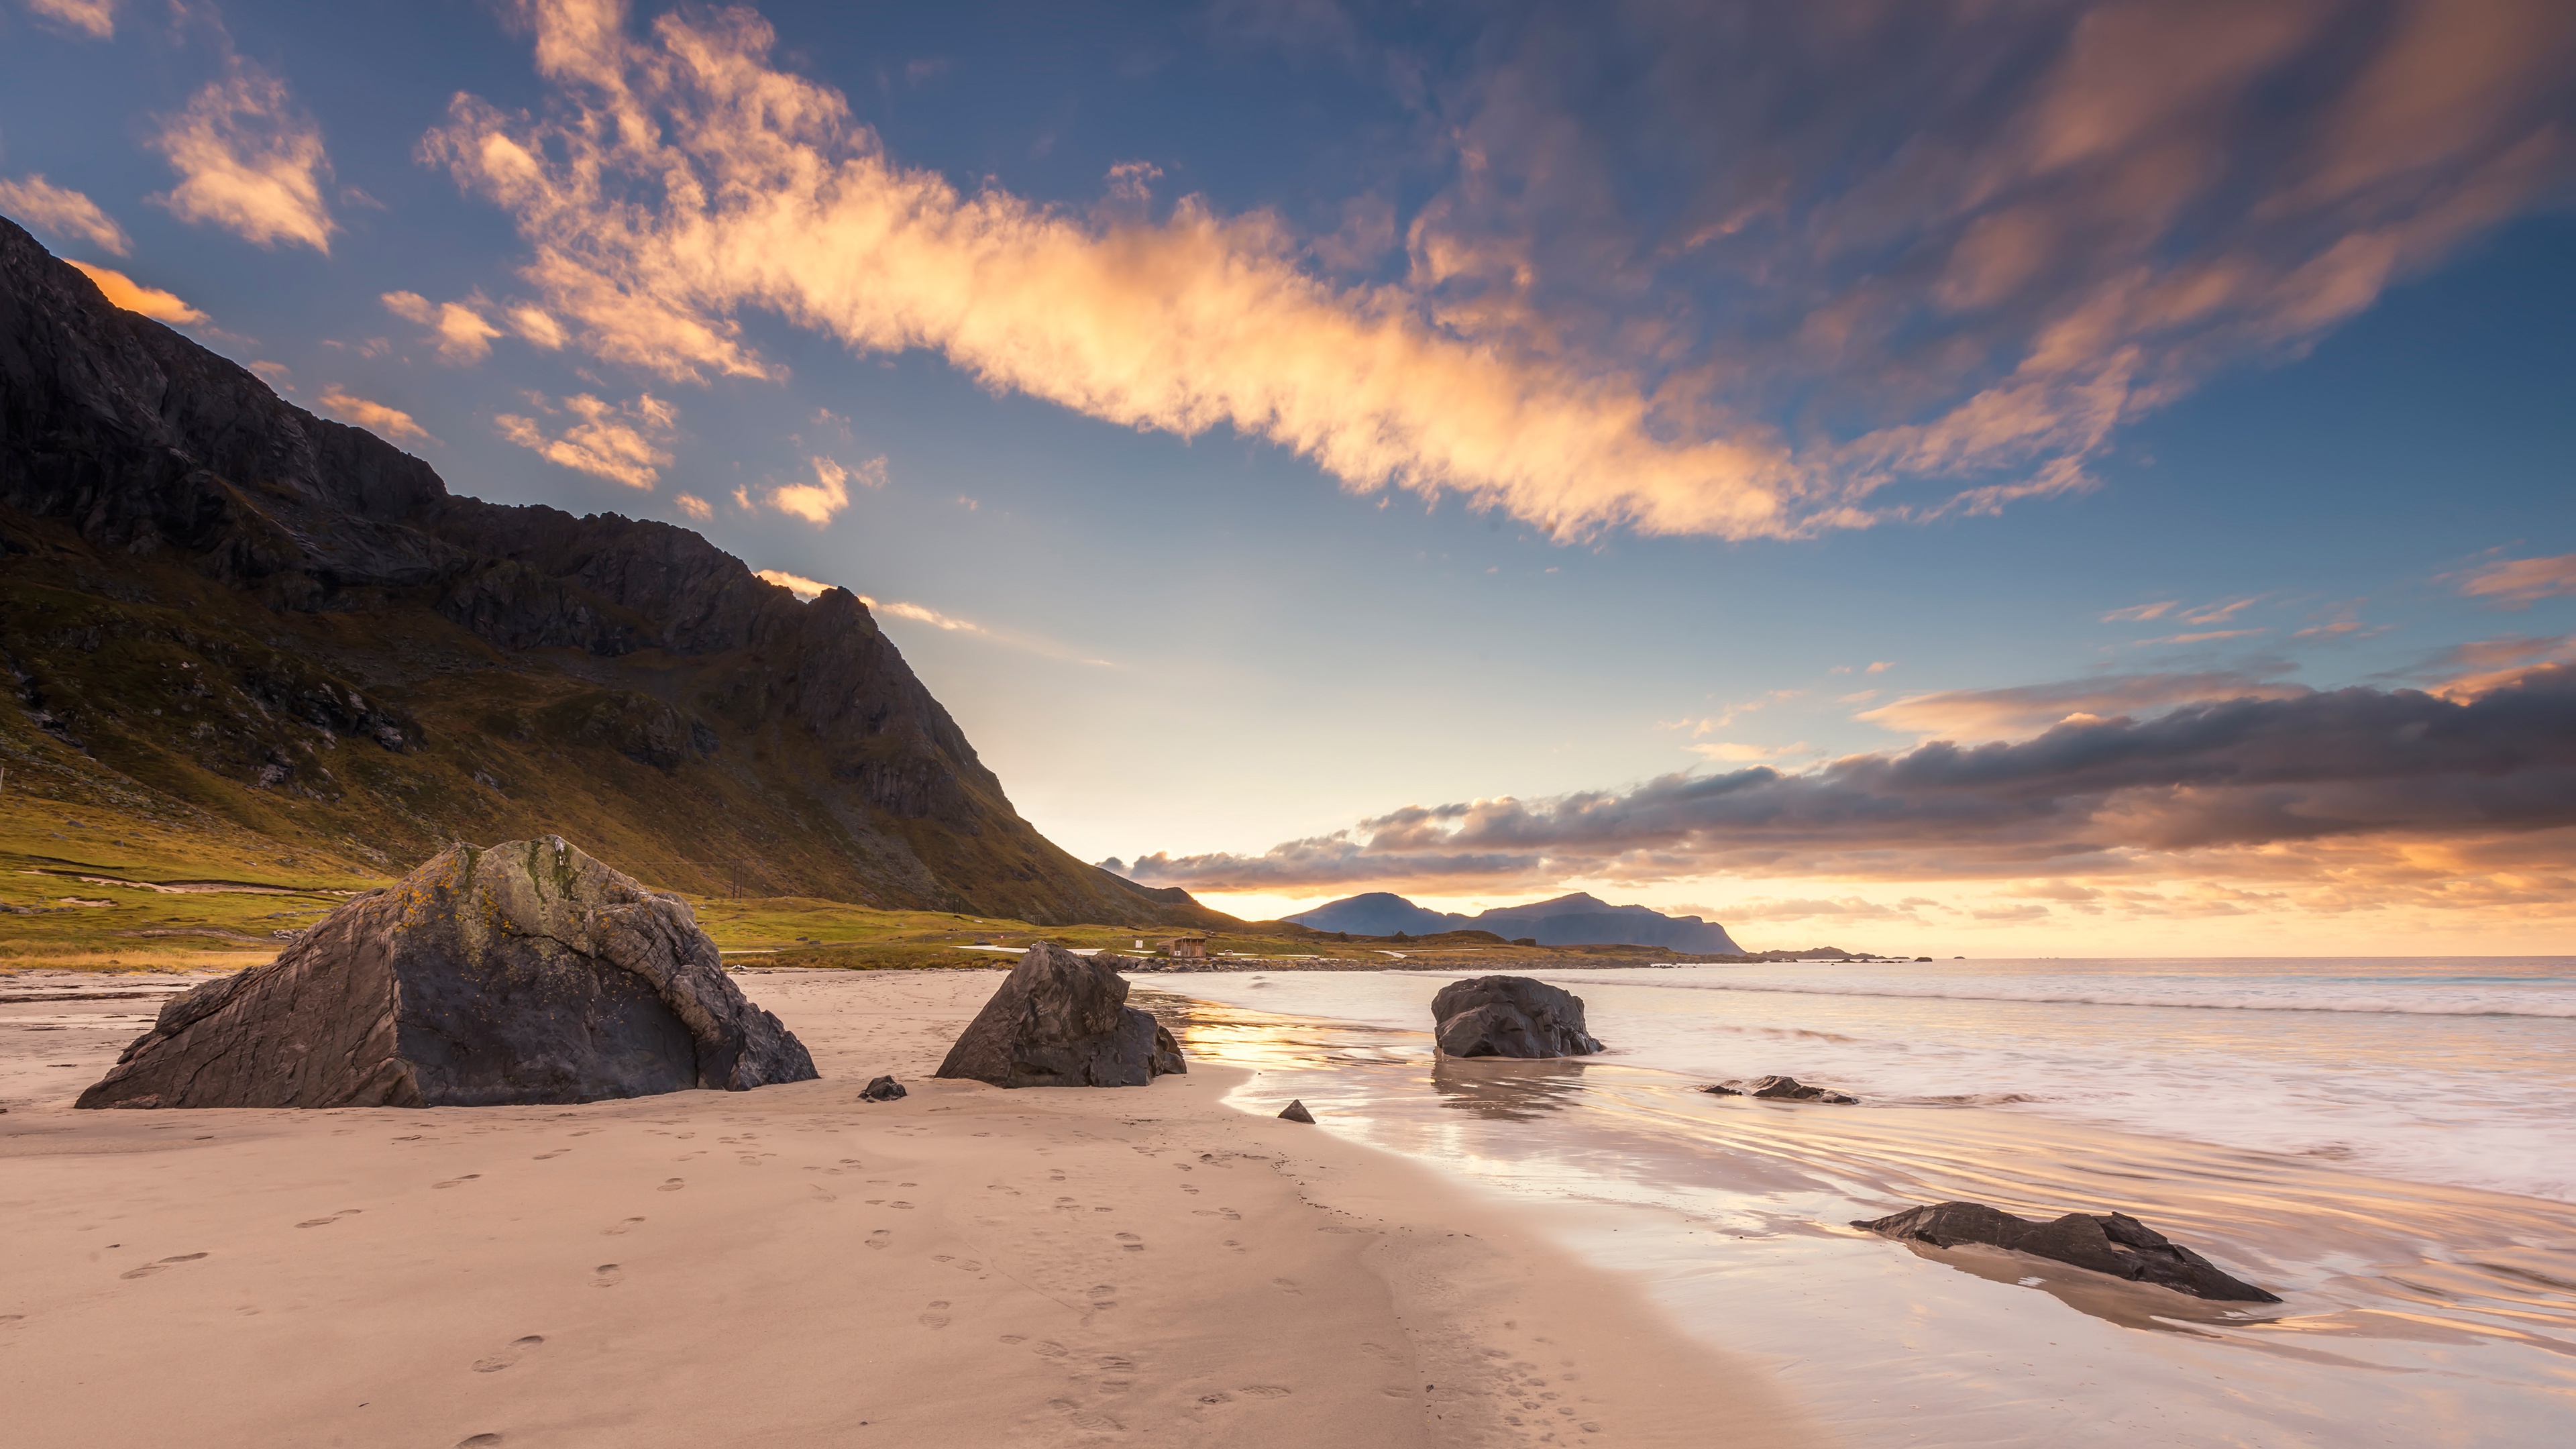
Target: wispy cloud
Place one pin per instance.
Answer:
(93, 19)
(249, 161)
(698, 509)
(62, 212)
(819, 501)
(622, 442)
(2027, 709)
(2206, 636)
(2137, 613)
(133, 296)
(809, 589)
(2518, 583)
(392, 422)
(464, 336)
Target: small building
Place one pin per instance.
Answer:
(1189, 947)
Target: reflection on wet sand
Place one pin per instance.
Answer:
(2402, 1297)
(1506, 1090)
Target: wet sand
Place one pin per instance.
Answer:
(2415, 1314)
(966, 1266)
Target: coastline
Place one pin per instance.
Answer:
(1137, 1265)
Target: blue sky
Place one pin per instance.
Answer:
(1356, 409)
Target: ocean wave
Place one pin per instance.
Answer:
(2365, 1002)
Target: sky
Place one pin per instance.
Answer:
(1975, 478)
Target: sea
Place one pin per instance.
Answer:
(2388, 1144)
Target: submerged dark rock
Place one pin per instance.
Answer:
(1061, 1021)
(1509, 1016)
(1779, 1089)
(525, 973)
(881, 1089)
(1296, 1112)
(2112, 1243)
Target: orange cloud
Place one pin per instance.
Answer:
(248, 162)
(392, 422)
(2089, 250)
(619, 442)
(63, 212)
(694, 506)
(797, 584)
(95, 19)
(133, 296)
(829, 493)
(2518, 583)
(2023, 710)
(463, 334)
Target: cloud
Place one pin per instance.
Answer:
(62, 212)
(621, 442)
(1738, 753)
(463, 334)
(248, 162)
(829, 493)
(2204, 637)
(2028, 709)
(2341, 791)
(2136, 613)
(95, 19)
(1837, 908)
(797, 584)
(2518, 583)
(538, 327)
(392, 422)
(2469, 670)
(1609, 316)
(695, 507)
(133, 296)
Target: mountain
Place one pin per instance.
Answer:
(1378, 913)
(1575, 920)
(224, 614)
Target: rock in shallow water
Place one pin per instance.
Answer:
(1061, 1021)
(2112, 1243)
(1509, 1016)
(1296, 1112)
(525, 973)
(1779, 1089)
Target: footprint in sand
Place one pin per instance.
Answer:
(1117, 1363)
(453, 1181)
(671, 1184)
(494, 1363)
(1131, 1242)
(542, 1156)
(478, 1441)
(1103, 1290)
(607, 1275)
(1263, 1391)
(148, 1269)
(326, 1222)
(1286, 1285)
(934, 1318)
(1048, 1347)
(1093, 1419)
(1015, 1338)
(1231, 1243)
(880, 1237)
(624, 1225)
(1219, 1397)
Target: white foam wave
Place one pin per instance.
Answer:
(2426, 1001)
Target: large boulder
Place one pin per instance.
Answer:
(1062, 1021)
(1509, 1016)
(525, 973)
(2112, 1243)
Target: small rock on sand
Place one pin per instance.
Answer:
(881, 1089)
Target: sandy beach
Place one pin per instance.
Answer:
(967, 1266)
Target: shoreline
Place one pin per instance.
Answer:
(1047, 1266)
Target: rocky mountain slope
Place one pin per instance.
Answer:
(222, 613)
(1575, 920)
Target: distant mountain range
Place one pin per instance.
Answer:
(1575, 920)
